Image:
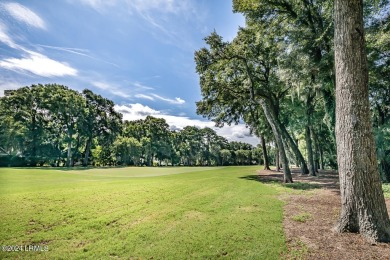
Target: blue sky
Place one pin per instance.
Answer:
(138, 53)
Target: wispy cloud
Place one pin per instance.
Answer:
(98, 5)
(163, 6)
(153, 97)
(141, 86)
(6, 39)
(176, 101)
(77, 51)
(31, 61)
(24, 14)
(159, 15)
(82, 52)
(142, 96)
(113, 89)
(38, 64)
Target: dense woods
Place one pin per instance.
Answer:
(54, 125)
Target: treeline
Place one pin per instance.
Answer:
(278, 75)
(54, 125)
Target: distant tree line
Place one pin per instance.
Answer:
(54, 125)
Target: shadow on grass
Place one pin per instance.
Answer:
(276, 179)
(302, 186)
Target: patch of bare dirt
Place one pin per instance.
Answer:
(309, 217)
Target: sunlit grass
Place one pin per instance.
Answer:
(103, 213)
(386, 189)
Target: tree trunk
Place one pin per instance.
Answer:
(69, 155)
(309, 144)
(75, 150)
(270, 115)
(277, 164)
(297, 152)
(363, 205)
(265, 154)
(322, 167)
(87, 151)
(309, 148)
(316, 153)
(298, 163)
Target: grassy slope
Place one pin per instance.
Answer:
(102, 213)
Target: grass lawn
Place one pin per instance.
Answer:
(386, 189)
(134, 213)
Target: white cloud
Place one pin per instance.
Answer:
(144, 97)
(176, 101)
(98, 5)
(113, 89)
(136, 111)
(4, 38)
(77, 51)
(25, 15)
(141, 86)
(32, 62)
(163, 6)
(38, 64)
(153, 97)
(232, 133)
(157, 15)
(82, 52)
(8, 85)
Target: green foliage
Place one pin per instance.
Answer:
(50, 124)
(386, 189)
(382, 136)
(128, 149)
(83, 213)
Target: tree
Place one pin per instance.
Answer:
(101, 120)
(25, 117)
(226, 156)
(67, 108)
(128, 149)
(190, 146)
(236, 75)
(363, 206)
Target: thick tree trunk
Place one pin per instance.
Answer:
(270, 115)
(295, 149)
(309, 148)
(265, 154)
(363, 205)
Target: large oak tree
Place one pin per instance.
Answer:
(363, 206)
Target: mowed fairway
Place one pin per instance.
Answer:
(159, 213)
